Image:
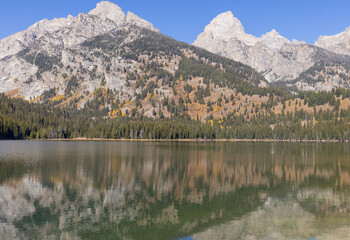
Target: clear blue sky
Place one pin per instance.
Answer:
(185, 19)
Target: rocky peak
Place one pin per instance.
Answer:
(272, 33)
(225, 24)
(133, 19)
(297, 42)
(225, 27)
(110, 11)
(272, 55)
(55, 24)
(274, 40)
(72, 30)
(339, 43)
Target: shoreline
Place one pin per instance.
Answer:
(189, 140)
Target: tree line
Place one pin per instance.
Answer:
(20, 119)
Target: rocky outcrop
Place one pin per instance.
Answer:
(225, 27)
(108, 10)
(339, 43)
(56, 40)
(41, 57)
(273, 55)
(72, 30)
(274, 40)
(136, 20)
(270, 54)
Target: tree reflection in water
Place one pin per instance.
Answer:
(116, 190)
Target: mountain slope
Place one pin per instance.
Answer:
(122, 64)
(272, 55)
(339, 43)
(110, 75)
(51, 38)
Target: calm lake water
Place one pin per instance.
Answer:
(121, 190)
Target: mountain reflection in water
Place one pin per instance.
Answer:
(120, 190)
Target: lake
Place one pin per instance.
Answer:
(138, 190)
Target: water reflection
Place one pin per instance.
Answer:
(106, 190)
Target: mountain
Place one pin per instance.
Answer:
(50, 39)
(226, 27)
(107, 74)
(278, 59)
(122, 65)
(71, 31)
(274, 40)
(108, 64)
(339, 43)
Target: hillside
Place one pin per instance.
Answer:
(132, 70)
(109, 75)
(296, 64)
(312, 116)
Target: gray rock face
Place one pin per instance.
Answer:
(225, 27)
(225, 36)
(339, 43)
(136, 20)
(272, 55)
(37, 59)
(274, 40)
(71, 31)
(108, 10)
(57, 39)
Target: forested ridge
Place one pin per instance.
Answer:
(20, 119)
(136, 84)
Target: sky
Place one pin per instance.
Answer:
(184, 20)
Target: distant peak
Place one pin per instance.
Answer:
(227, 22)
(297, 42)
(227, 14)
(225, 27)
(138, 21)
(273, 32)
(109, 10)
(338, 43)
(105, 5)
(274, 40)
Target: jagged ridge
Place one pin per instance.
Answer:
(276, 57)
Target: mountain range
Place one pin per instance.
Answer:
(48, 41)
(122, 63)
(322, 66)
